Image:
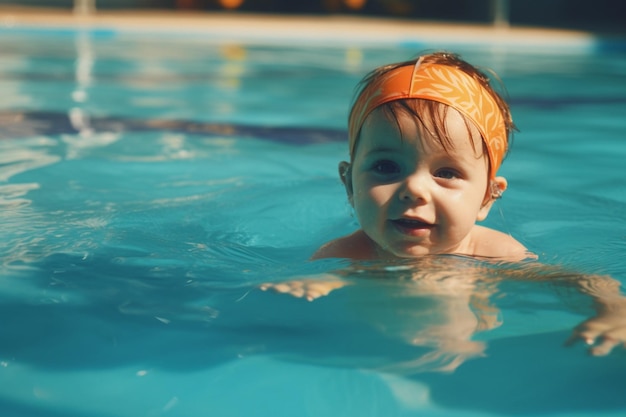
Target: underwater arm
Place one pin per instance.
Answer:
(604, 331)
(607, 329)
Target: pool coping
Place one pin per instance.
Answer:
(330, 30)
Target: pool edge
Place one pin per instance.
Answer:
(333, 30)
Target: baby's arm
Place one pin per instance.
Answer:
(607, 329)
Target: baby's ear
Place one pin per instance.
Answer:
(496, 188)
(345, 173)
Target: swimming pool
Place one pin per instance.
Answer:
(149, 184)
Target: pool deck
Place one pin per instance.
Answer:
(331, 29)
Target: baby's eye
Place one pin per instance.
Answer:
(447, 173)
(385, 167)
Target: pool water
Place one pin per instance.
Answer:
(150, 184)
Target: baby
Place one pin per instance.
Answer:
(426, 140)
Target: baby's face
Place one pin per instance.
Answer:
(410, 195)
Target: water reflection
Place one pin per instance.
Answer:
(445, 307)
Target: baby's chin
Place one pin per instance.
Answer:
(407, 252)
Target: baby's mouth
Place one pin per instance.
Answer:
(412, 224)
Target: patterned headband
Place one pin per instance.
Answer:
(444, 84)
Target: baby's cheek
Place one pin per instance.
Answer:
(371, 204)
(379, 194)
(366, 209)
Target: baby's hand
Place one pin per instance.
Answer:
(601, 333)
(305, 288)
(607, 329)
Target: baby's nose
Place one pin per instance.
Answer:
(415, 187)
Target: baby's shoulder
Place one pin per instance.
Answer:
(495, 244)
(354, 246)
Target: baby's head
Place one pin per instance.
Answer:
(426, 88)
(426, 140)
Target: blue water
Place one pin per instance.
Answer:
(149, 185)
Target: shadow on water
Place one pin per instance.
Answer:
(15, 409)
(25, 124)
(104, 315)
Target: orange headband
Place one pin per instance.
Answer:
(443, 84)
